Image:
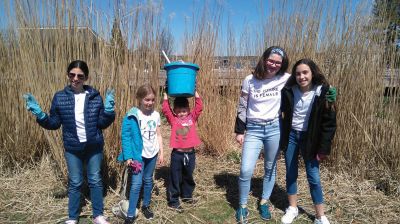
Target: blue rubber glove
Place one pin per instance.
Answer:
(33, 106)
(109, 102)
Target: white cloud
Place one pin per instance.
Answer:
(172, 15)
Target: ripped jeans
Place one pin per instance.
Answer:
(259, 136)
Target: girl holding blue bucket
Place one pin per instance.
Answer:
(141, 148)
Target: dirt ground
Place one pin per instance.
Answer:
(35, 196)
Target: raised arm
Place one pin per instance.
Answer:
(53, 120)
(107, 114)
(166, 109)
(198, 106)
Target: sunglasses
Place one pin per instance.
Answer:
(72, 75)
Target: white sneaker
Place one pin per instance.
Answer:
(322, 220)
(100, 220)
(71, 221)
(290, 214)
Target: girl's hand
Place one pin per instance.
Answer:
(129, 162)
(109, 101)
(135, 166)
(331, 95)
(165, 96)
(33, 106)
(240, 138)
(321, 157)
(161, 159)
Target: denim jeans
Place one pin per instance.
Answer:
(295, 146)
(257, 136)
(91, 157)
(181, 182)
(146, 177)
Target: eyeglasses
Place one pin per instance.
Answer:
(276, 63)
(72, 75)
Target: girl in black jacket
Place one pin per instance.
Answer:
(308, 127)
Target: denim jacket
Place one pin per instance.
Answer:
(131, 137)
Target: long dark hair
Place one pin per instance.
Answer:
(259, 71)
(79, 64)
(317, 77)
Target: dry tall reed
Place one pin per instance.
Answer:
(42, 38)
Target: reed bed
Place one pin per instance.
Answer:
(43, 198)
(43, 37)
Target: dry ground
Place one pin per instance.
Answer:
(35, 196)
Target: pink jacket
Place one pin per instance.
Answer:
(183, 130)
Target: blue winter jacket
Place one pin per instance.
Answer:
(62, 112)
(131, 137)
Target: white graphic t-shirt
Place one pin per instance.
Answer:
(264, 97)
(148, 125)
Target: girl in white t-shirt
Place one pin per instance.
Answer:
(258, 115)
(141, 146)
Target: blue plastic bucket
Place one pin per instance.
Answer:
(181, 78)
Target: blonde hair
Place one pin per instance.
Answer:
(143, 91)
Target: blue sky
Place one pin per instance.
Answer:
(240, 12)
(175, 12)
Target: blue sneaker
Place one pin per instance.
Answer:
(242, 215)
(264, 211)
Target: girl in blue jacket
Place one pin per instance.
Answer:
(79, 109)
(308, 127)
(141, 146)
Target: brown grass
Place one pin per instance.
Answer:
(366, 143)
(35, 195)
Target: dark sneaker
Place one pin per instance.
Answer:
(148, 214)
(130, 220)
(264, 211)
(191, 201)
(177, 208)
(242, 215)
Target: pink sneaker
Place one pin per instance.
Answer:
(100, 220)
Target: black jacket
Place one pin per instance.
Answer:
(321, 127)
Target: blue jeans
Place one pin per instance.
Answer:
(295, 146)
(258, 135)
(181, 182)
(91, 157)
(146, 177)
